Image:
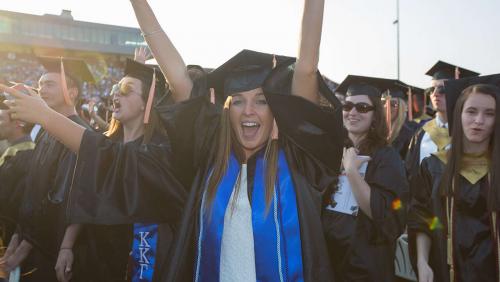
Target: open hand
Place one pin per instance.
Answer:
(29, 108)
(141, 54)
(14, 260)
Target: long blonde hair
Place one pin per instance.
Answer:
(400, 119)
(226, 141)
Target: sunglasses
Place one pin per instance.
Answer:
(117, 90)
(438, 89)
(360, 107)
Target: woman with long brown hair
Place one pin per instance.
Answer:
(364, 217)
(260, 159)
(453, 224)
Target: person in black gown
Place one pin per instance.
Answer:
(124, 191)
(14, 163)
(453, 223)
(252, 178)
(42, 212)
(366, 215)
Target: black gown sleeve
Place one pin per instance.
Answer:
(317, 131)
(111, 178)
(420, 211)
(12, 184)
(387, 179)
(192, 127)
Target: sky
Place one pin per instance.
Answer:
(358, 37)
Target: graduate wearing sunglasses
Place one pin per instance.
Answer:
(368, 226)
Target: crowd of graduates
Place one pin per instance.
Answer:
(253, 171)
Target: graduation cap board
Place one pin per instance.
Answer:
(245, 71)
(152, 78)
(443, 70)
(354, 85)
(76, 69)
(453, 89)
(410, 94)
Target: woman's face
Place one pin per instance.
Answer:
(478, 118)
(127, 101)
(355, 122)
(251, 119)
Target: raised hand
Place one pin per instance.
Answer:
(29, 108)
(141, 54)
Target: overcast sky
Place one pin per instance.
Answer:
(359, 36)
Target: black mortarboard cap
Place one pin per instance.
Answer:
(354, 85)
(146, 74)
(245, 71)
(76, 69)
(443, 70)
(400, 89)
(453, 89)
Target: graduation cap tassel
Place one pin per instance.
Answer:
(457, 73)
(275, 62)
(212, 96)
(410, 103)
(151, 96)
(64, 86)
(425, 104)
(274, 132)
(388, 113)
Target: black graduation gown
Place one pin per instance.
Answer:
(474, 248)
(363, 249)
(305, 132)
(42, 212)
(405, 135)
(12, 184)
(117, 185)
(412, 159)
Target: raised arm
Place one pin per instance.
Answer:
(169, 60)
(304, 81)
(32, 108)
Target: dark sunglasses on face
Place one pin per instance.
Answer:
(360, 107)
(438, 89)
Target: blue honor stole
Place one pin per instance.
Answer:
(144, 252)
(276, 231)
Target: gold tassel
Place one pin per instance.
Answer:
(388, 114)
(151, 96)
(457, 73)
(410, 104)
(212, 96)
(64, 86)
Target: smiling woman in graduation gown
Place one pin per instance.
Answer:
(306, 168)
(129, 184)
(453, 237)
(362, 238)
